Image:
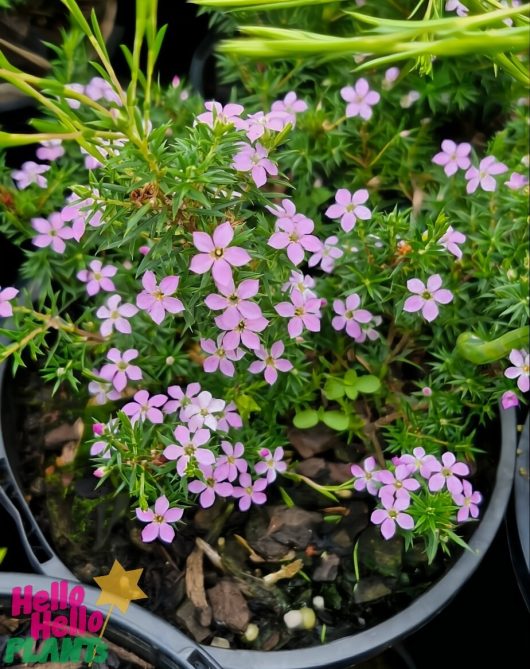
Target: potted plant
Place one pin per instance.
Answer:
(255, 318)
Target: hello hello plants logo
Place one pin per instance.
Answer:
(61, 623)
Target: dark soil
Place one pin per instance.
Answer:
(213, 590)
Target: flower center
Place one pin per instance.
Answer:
(158, 519)
(392, 514)
(269, 361)
(426, 295)
(398, 484)
(158, 294)
(349, 208)
(189, 449)
(249, 491)
(349, 314)
(115, 315)
(446, 472)
(53, 233)
(218, 253)
(526, 369)
(97, 276)
(240, 326)
(204, 412)
(293, 237)
(221, 353)
(233, 299)
(122, 366)
(299, 311)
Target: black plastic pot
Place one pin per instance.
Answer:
(340, 653)
(518, 517)
(137, 630)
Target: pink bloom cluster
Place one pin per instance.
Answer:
(411, 472)
(293, 232)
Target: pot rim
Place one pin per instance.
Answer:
(341, 652)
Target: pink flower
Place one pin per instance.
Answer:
(520, 370)
(212, 486)
(291, 106)
(181, 399)
(483, 175)
(99, 88)
(303, 284)
(327, 255)
(349, 207)
(116, 316)
(201, 411)
(52, 232)
(219, 357)
(228, 418)
(302, 313)
(120, 368)
(391, 76)
(6, 295)
(30, 173)
(50, 149)
(270, 362)
(231, 464)
(349, 317)
(456, 6)
(189, 449)
(259, 122)
(254, 159)
(360, 99)
(427, 297)
(398, 483)
(450, 241)
(296, 238)
(509, 399)
(76, 88)
(145, 407)
(516, 181)
(453, 156)
(82, 211)
(272, 463)
(98, 277)
(156, 300)
(102, 391)
(227, 115)
(446, 473)
(250, 493)
(159, 520)
(467, 500)
(392, 515)
(232, 298)
(284, 212)
(217, 255)
(368, 330)
(101, 449)
(418, 461)
(365, 476)
(240, 330)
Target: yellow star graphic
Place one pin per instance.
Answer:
(119, 587)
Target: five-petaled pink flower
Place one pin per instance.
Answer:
(398, 483)
(201, 411)
(97, 277)
(270, 362)
(509, 399)
(189, 448)
(483, 175)
(453, 157)
(516, 181)
(228, 418)
(446, 473)
(451, 240)
(227, 115)
(250, 492)
(220, 358)
(254, 159)
(284, 212)
(181, 399)
(327, 255)
(392, 515)
(30, 173)
(120, 368)
(349, 207)
(159, 520)
(145, 407)
(272, 463)
(212, 486)
(236, 299)
(365, 476)
(290, 105)
(7, 294)
(296, 237)
(156, 299)
(349, 316)
(419, 460)
(360, 99)
(427, 297)
(302, 313)
(259, 122)
(300, 282)
(240, 330)
(52, 232)
(217, 254)
(231, 464)
(102, 391)
(520, 370)
(50, 149)
(115, 316)
(467, 500)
